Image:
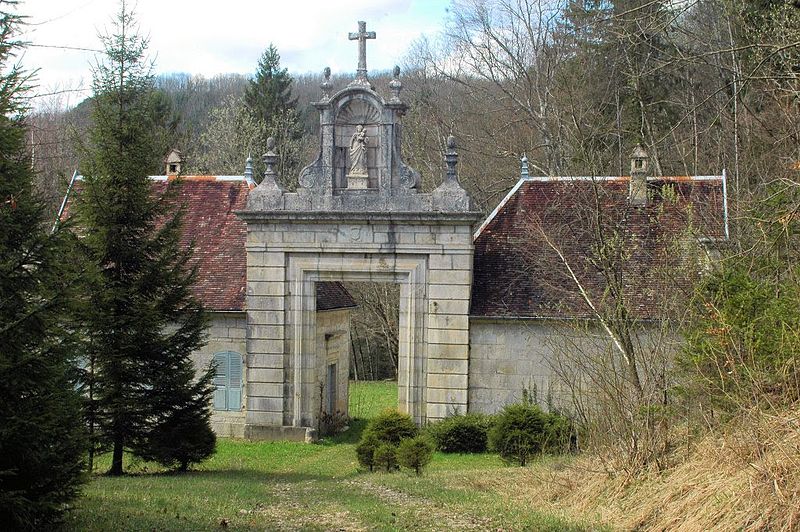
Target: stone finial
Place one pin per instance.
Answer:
(361, 36)
(270, 158)
(326, 84)
(395, 86)
(524, 167)
(639, 171)
(248, 169)
(268, 194)
(450, 195)
(451, 159)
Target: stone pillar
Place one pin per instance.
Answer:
(266, 302)
(450, 282)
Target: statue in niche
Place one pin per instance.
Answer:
(358, 153)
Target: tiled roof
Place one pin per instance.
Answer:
(219, 238)
(517, 268)
(332, 296)
(219, 241)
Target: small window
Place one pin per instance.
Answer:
(331, 406)
(228, 381)
(173, 168)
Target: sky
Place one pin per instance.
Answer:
(224, 37)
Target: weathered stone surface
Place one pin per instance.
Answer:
(357, 216)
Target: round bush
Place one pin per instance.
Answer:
(415, 453)
(365, 451)
(391, 426)
(518, 432)
(386, 457)
(461, 433)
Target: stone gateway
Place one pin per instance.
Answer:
(358, 216)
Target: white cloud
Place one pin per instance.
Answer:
(211, 38)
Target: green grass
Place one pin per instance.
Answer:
(289, 486)
(368, 398)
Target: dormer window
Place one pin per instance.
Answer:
(172, 163)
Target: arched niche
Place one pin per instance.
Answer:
(352, 111)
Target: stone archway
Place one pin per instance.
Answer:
(372, 223)
(409, 271)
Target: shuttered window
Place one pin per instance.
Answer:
(228, 381)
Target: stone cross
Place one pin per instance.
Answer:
(361, 36)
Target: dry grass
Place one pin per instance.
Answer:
(746, 477)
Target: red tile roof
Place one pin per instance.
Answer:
(518, 273)
(219, 242)
(332, 296)
(219, 238)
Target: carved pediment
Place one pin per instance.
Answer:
(360, 167)
(358, 111)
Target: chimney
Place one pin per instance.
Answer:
(172, 163)
(639, 171)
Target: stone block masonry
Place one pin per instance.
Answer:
(378, 227)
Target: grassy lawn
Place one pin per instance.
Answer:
(289, 486)
(368, 398)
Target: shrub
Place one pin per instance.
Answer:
(743, 343)
(415, 453)
(391, 426)
(524, 430)
(386, 457)
(557, 434)
(330, 424)
(181, 441)
(365, 451)
(461, 433)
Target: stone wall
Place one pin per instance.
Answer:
(226, 332)
(507, 356)
(333, 347)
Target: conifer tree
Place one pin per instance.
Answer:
(41, 430)
(143, 322)
(270, 92)
(268, 98)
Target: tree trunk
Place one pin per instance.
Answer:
(116, 460)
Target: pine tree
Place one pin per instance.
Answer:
(270, 92)
(143, 322)
(41, 431)
(268, 98)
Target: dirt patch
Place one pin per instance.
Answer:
(424, 513)
(301, 505)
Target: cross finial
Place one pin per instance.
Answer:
(361, 36)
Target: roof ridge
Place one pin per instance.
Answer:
(560, 179)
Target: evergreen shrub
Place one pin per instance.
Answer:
(461, 433)
(365, 451)
(386, 457)
(415, 453)
(391, 426)
(522, 431)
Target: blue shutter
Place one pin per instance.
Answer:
(235, 382)
(220, 381)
